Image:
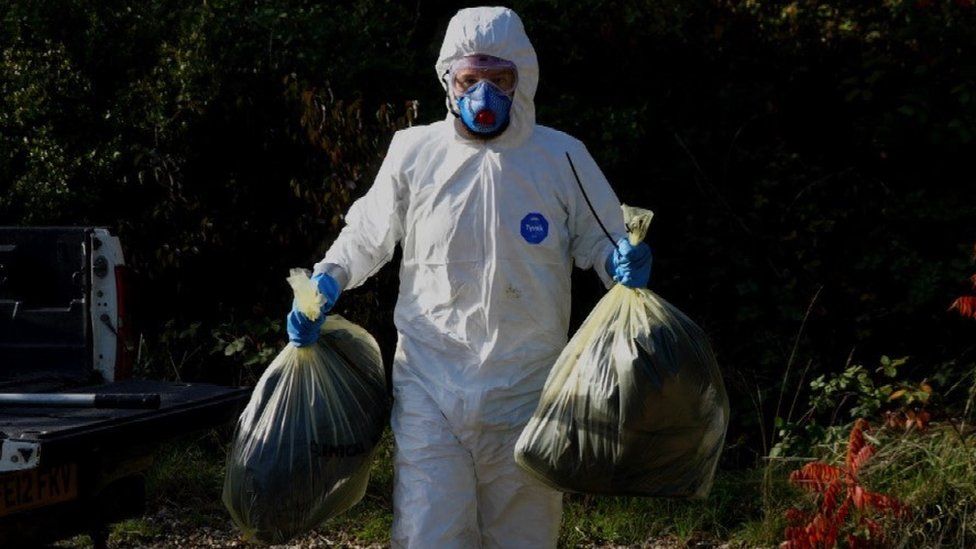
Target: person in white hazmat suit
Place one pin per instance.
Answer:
(491, 221)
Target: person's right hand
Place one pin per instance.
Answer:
(303, 331)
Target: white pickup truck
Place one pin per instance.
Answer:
(74, 464)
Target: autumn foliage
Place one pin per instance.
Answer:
(966, 305)
(910, 419)
(844, 506)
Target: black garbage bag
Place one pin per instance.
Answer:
(635, 404)
(304, 444)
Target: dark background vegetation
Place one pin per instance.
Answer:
(805, 160)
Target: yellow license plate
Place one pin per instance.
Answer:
(24, 490)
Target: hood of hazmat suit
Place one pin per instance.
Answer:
(490, 231)
(497, 32)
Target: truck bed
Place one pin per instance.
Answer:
(71, 470)
(184, 407)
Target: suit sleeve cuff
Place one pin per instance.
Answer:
(335, 271)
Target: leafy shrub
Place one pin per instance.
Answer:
(933, 472)
(840, 497)
(856, 392)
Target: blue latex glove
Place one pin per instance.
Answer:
(302, 331)
(630, 265)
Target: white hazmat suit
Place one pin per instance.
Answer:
(490, 231)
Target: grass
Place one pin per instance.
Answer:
(934, 472)
(732, 511)
(185, 475)
(188, 476)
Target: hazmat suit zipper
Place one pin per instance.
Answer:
(489, 246)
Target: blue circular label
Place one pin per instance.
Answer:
(534, 228)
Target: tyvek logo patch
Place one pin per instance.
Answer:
(534, 228)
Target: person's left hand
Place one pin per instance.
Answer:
(630, 265)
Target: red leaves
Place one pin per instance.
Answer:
(908, 419)
(815, 477)
(965, 305)
(796, 517)
(838, 490)
(855, 445)
(858, 459)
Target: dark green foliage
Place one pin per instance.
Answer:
(186, 127)
(788, 149)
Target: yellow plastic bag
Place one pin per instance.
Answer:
(304, 444)
(635, 404)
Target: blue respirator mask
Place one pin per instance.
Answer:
(484, 109)
(476, 93)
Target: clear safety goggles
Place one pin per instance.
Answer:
(467, 72)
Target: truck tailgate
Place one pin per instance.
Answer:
(184, 407)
